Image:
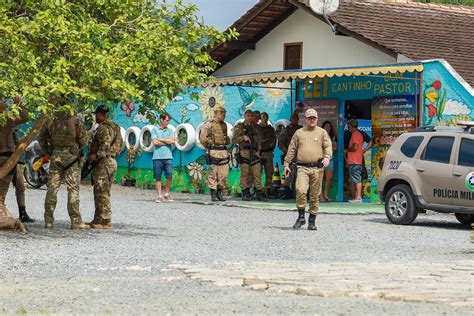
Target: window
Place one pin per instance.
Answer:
(466, 153)
(293, 56)
(410, 146)
(438, 149)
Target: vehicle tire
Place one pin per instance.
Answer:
(198, 132)
(132, 132)
(190, 137)
(230, 133)
(465, 219)
(29, 180)
(400, 207)
(123, 132)
(145, 132)
(173, 129)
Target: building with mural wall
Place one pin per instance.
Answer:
(360, 63)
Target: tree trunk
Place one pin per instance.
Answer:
(12, 161)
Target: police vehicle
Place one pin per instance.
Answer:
(430, 168)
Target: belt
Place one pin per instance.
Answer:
(318, 164)
(6, 154)
(217, 148)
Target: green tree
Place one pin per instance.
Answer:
(68, 55)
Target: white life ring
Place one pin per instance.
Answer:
(238, 121)
(281, 123)
(190, 139)
(144, 133)
(198, 132)
(132, 131)
(123, 132)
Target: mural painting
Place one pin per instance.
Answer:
(187, 112)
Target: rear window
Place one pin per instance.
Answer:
(466, 153)
(438, 149)
(410, 146)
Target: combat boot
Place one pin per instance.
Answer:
(24, 218)
(311, 220)
(300, 221)
(220, 197)
(80, 226)
(246, 195)
(261, 196)
(214, 196)
(102, 226)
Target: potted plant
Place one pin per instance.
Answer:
(127, 179)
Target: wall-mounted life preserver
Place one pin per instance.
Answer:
(132, 138)
(145, 138)
(123, 132)
(190, 136)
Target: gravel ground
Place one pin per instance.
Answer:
(126, 270)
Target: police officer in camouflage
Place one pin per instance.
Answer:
(311, 147)
(214, 138)
(268, 146)
(247, 136)
(105, 145)
(63, 138)
(7, 147)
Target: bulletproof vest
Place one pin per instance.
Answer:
(116, 145)
(63, 131)
(219, 133)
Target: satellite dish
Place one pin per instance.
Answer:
(324, 7)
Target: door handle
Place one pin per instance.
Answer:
(457, 174)
(420, 169)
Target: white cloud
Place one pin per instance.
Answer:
(192, 107)
(454, 107)
(178, 98)
(140, 118)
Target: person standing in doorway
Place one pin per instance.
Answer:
(312, 149)
(329, 170)
(163, 138)
(354, 160)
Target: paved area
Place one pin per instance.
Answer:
(289, 205)
(186, 258)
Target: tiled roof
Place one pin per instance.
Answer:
(417, 30)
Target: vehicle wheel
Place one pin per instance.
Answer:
(400, 205)
(465, 219)
(29, 180)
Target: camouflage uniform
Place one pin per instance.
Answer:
(266, 156)
(63, 138)
(105, 144)
(283, 143)
(7, 147)
(249, 159)
(214, 137)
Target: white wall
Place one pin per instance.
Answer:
(321, 48)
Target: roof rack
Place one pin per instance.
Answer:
(468, 126)
(439, 129)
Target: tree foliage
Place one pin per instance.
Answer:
(65, 53)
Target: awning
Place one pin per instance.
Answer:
(281, 76)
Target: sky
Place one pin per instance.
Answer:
(222, 13)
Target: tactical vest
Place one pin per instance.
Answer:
(63, 132)
(219, 133)
(116, 145)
